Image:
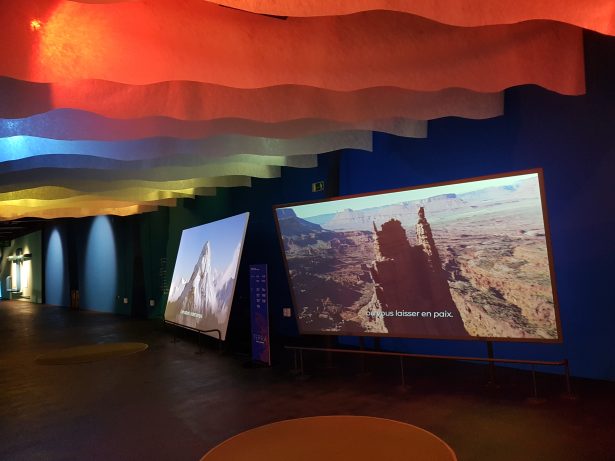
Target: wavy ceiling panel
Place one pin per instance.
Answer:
(201, 101)
(598, 15)
(103, 186)
(89, 162)
(12, 206)
(70, 124)
(141, 43)
(121, 107)
(24, 196)
(217, 147)
(137, 194)
(105, 1)
(74, 212)
(51, 176)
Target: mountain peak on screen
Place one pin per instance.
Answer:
(286, 213)
(204, 260)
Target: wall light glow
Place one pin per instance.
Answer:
(56, 265)
(99, 276)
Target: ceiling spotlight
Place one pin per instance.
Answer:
(35, 24)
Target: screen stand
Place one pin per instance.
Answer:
(403, 387)
(329, 344)
(534, 399)
(363, 373)
(297, 370)
(201, 351)
(568, 395)
(491, 383)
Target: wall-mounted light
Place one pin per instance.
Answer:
(19, 258)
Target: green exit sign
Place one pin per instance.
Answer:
(318, 186)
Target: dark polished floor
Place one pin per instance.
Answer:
(169, 403)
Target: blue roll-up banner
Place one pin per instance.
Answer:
(259, 307)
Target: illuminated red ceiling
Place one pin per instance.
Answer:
(186, 96)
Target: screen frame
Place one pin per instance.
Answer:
(539, 171)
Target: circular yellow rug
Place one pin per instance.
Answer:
(339, 438)
(89, 353)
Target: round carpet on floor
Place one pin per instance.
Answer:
(89, 353)
(339, 438)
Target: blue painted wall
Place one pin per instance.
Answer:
(99, 284)
(93, 256)
(56, 266)
(572, 139)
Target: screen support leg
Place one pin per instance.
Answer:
(491, 381)
(301, 363)
(404, 387)
(297, 370)
(300, 374)
(362, 348)
(329, 354)
(363, 371)
(198, 342)
(568, 395)
(534, 399)
(220, 345)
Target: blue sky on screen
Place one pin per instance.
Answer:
(224, 237)
(378, 200)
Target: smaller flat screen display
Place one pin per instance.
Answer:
(463, 260)
(201, 292)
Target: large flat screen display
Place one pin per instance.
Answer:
(462, 260)
(203, 283)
